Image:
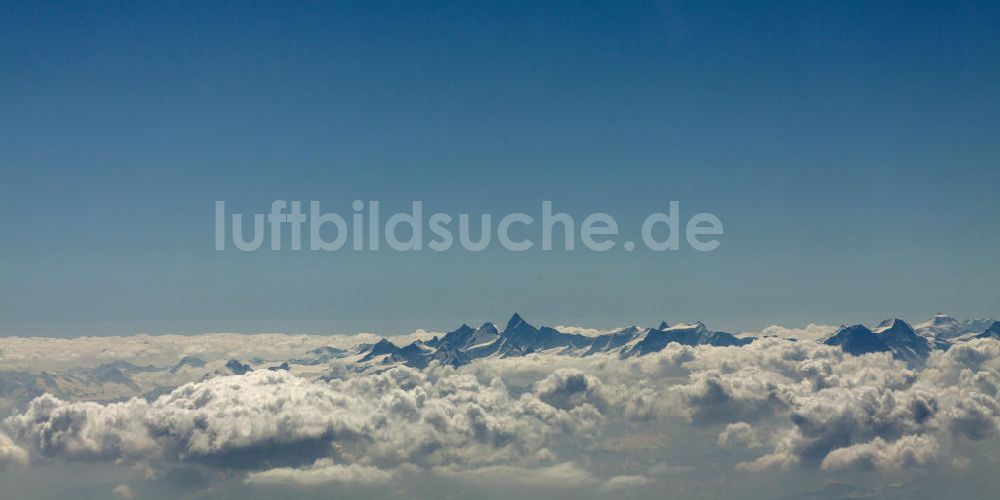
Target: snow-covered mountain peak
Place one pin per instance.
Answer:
(892, 324)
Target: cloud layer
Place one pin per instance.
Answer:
(542, 419)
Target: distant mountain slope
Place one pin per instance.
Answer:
(945, 327)
(904, 342)
(856, 340)
(992, 332)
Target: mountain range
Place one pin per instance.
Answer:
(519, 338)
(120, 379)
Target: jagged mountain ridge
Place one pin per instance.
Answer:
(905, 342)
(520, 338)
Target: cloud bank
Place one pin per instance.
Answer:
(542, 420)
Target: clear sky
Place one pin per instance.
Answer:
(850, 149)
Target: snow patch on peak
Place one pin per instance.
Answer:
(890, 324)
(588, 332)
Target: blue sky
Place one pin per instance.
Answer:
(849, 149)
